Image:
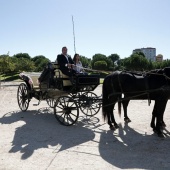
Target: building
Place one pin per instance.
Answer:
(159, 58)
(149, 52)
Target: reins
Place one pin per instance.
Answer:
(143, 92)
(131, 97)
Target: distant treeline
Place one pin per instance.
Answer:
(138, 62)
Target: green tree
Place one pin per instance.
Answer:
(6, 64)
(165, 63)
(100, 65)
(24, 64)
(22, 55)
(136, 62)
(114, 57)
(140, 53)
(40, 62)
(86, 62)
(101, 57)
(150, 65)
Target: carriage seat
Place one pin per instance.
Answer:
(35, 81)
(59, 74)
(34, 77)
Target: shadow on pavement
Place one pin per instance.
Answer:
(42, 130)
(130, 149)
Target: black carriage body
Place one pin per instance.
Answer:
(61, 94)
(85, 83)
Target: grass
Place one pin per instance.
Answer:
(9, 77)
(101, 80)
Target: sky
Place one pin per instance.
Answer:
(43, 27)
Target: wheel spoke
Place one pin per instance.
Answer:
(72, 114)
(71, 118)
(61, 115)
(64, 102)
(59, 112)
(59, 107)
(64, 117)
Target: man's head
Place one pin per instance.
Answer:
(64, 50)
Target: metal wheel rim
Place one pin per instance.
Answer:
(93, 108)
(23, 97)
(66, 111)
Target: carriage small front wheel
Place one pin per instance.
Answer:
(23, 97)
(66, 110)
(88, 104)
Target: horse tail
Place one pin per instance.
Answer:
(105, 99)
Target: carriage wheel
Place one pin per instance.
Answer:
(66, 110)
(51, 102)
(88, 105)
(23, 97)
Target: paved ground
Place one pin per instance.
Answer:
(35, 140)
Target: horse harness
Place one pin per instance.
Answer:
(146, 85)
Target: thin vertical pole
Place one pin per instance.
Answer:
(74, 35)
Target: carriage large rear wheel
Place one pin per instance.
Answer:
(66, 110)
(23, 97)
(89, 104)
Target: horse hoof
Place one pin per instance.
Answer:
(127, 120)
(155, 131)
(161, 135)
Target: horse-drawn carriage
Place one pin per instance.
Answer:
(61, 94)
(66, 98)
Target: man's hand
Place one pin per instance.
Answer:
(70, 65)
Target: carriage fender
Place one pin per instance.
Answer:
(27, 79)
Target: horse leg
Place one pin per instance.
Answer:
(111, 118)
(163, 125)
(125, 105)
(159, 115)
(109, 121)
(152, 124)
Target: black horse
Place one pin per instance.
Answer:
(153, 85)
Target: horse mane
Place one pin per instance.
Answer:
(137, 73)
(142, 73)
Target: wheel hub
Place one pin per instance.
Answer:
(67, 110)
